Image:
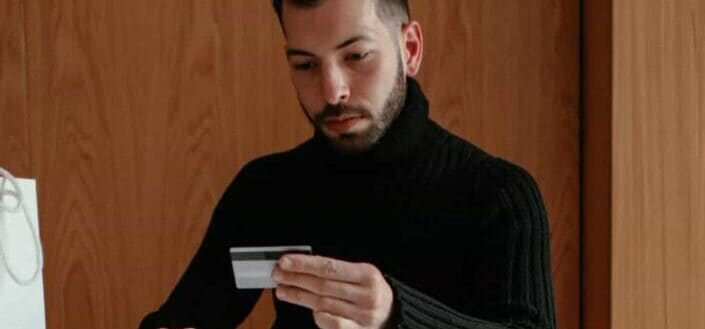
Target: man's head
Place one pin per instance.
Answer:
(348, 62)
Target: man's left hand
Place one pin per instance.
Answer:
(341, 294)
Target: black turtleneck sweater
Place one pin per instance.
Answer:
(461, 236)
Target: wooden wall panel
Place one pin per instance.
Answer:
(658, 278)
(505, 75)
(14, 146)
(596, 181)
(141, 112)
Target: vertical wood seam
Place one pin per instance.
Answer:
(28, 168)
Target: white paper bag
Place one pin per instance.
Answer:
(21, 306)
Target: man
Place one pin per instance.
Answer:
(411, 226)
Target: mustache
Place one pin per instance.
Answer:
(336, 110)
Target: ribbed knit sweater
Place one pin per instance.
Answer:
(461, 236)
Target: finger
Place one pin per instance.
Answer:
(325, 320)
(352, 293)
(315, 302)
(328, 268)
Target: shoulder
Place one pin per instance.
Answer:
(515, 195)
(487, 175)
(506, 176)
(264, 171)
(505, 195)
(275, 164)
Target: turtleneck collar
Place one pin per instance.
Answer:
(411, 134)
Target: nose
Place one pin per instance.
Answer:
(334, 85)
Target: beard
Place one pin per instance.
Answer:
(351, 143)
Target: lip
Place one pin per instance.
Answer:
(342, 124)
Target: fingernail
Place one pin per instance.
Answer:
(284, 262)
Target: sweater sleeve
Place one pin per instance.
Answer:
(205, 296)
(518, 293)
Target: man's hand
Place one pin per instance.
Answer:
(341, 294)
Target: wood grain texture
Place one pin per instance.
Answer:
(596, 181)
(504, 75)
(14, 145)
(141, 112)
(658, 278)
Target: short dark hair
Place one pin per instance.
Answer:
(392, 11)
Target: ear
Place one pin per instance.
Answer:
(412, 47)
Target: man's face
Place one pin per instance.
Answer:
(346, 67)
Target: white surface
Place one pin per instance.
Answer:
(21, 307)
(254, 274)
(270, 248)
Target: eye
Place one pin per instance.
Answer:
(303, 66)
(357, 56)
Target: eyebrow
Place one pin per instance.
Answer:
(300, 52)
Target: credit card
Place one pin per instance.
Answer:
(253, 266)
